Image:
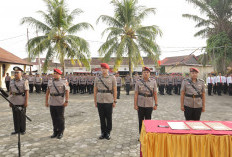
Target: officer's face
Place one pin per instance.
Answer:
(104, 71)
(146, 74)
(194, 75)
(17, 74)
(56, 75)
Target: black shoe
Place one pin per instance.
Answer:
(23, 133)
(101, 137)
(54, 135)
(107, 137)
(59, 136)
(14, 133)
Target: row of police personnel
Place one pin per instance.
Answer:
(105, 99)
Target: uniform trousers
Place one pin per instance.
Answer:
(192, 113)
(169, 89)
(144, 113)
(230, 89)
(8, 85)
(178, 88)
(71, 87)
(210, 86)
(127, 89)
(19, 118)
(105, 111)
(219, 88)
(74, 86)
(58, 120)
(225, 88)
(118, 92)
(31, 88)
(161, 87)
(214, 89)
(38, 88)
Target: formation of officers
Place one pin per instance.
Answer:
(106, 89)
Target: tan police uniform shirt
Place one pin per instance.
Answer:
(110, 82)
(162, 80)
(74, 79)
(31, 79)
(119, 81)
(45, 80)
(128, 80)
(82, 80)
(141, 88)
(38, 80)
(62, 86)
(188, 89)
(22, 86)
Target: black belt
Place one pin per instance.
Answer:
(146, 95)
(104, 91)
(23, 94)
(57, 95)
(193, 96)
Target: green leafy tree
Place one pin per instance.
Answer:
(216, 17)
(220, 48)
(127, 37)
(58, 37)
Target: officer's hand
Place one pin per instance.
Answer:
(46, 105)
(136, 107)
(182, 108)
(95, 104)
(65, 104)
(25, 105)
(10, 105)
(203, 109)
(155, 108)
(114, 104)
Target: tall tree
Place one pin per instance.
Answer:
(127, 37)
(216, 17)
(216, 26)
(58, 37)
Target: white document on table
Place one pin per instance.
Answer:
(198, 126)
(178, 126)
(218, 126)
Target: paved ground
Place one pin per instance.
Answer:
(82, 126)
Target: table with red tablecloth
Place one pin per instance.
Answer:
(165, 142)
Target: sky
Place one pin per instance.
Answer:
(178, 32)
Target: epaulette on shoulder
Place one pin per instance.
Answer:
(201, 80)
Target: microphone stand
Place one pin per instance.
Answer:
(5, 95)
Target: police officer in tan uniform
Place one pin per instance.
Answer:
(58, 91)
(31, 80)
(19, 94)
(162, 81)
(44, 82)
(105, 98)
(145, 94)
(119, 84)
(128, 82)
(193, 96)
(38, 83)
(82, 83)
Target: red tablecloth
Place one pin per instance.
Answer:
(152, 126)
(174, 143)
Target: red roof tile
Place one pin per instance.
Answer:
(7, 57)
(180, 60)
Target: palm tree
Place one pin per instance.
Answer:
(58, 39)
(216, 27)
(218, 17)
(126, 35)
